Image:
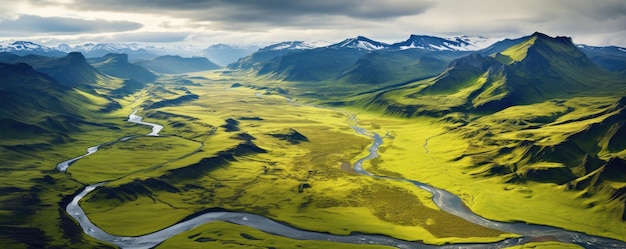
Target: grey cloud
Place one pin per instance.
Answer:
(151, 37)
(269, 11)
(29, 24)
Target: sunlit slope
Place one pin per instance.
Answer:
(534, 70)
(575, 143)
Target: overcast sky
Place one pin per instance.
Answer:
(261, 22)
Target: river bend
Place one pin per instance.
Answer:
(443, 199)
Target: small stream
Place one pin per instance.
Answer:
(444, 199)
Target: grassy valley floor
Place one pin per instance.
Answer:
(266, 155)
(226, 145)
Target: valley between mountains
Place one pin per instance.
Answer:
(526, 131)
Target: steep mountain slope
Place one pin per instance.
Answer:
(172, 64)
(255, 60)
(117, 65)
(35, 104)
(536, 68)
(357, 60)
(311, 65)
(389, 65)
(71, 70)
(297, 62)
(502, 45)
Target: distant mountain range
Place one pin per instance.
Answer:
(356, 60)
(223, 54)
(237, 57)
(363, 60)
(612, 58)
(91, 50)
(173, 64)
(26, 48)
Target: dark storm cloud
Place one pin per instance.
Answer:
(261, 11)
(29, 24)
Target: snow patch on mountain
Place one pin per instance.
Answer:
(360, 42)
(10, 46)
(291, 45)
(479, 42)
(433, 43)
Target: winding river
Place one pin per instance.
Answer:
(443, 199)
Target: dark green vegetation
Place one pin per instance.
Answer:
(71, 70)
(502, 128)
(351, 62)
(610, 58)
(117, 65)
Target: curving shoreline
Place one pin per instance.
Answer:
(443, 199)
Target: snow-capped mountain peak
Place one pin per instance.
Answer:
(434, 43)
(22, 45)
(26, 47)
(110, 47)
(360, 42)
(290, 45)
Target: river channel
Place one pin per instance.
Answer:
(442, 198)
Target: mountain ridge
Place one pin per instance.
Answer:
(174, 64)
(118, 65)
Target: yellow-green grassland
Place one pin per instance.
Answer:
(244, 145)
